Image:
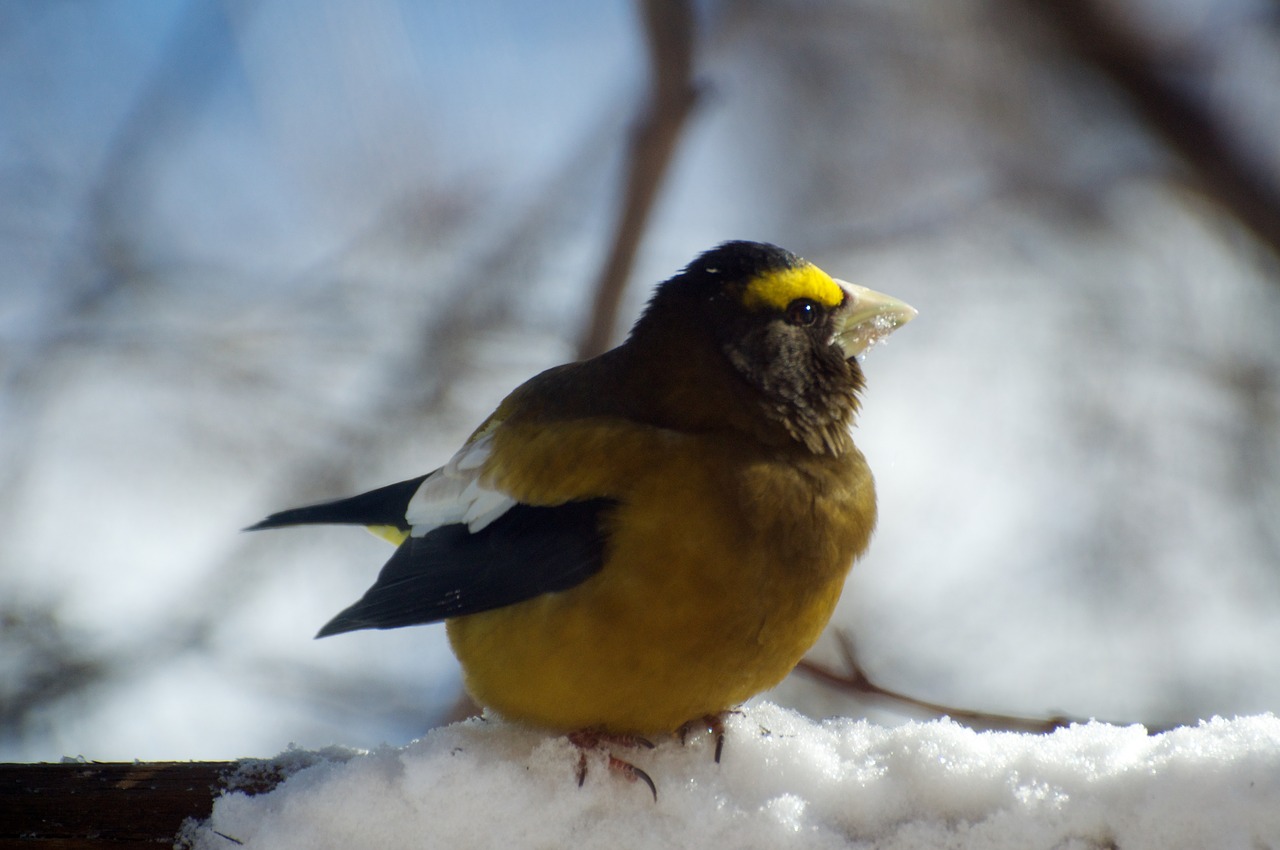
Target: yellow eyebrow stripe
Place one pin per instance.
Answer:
(775, 290)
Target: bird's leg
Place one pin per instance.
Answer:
(713, 723)
(594, 739)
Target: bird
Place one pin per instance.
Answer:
(646, 539)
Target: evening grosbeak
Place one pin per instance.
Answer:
(654, 535)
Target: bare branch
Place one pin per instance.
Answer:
(669, 28)
(1182, 121)
(854, 679)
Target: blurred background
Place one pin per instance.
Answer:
(259, 253)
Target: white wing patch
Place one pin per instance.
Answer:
(453, 493)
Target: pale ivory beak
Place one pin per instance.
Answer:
(868, 317)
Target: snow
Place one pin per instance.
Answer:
(784, 781)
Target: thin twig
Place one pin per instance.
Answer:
(855, 680)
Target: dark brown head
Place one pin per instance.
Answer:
(786, 332)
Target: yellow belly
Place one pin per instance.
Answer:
(710, 593)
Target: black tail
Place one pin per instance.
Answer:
(384, 506)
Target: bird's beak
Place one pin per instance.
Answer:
(867, 317)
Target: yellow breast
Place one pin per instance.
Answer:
(713, 588)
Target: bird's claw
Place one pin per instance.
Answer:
(713, 723)
(590, 739)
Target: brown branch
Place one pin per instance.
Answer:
(98, 805)
(855, 680)
(1181, 120)
(669, 30)
(126, 806)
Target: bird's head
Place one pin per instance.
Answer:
(790, 332)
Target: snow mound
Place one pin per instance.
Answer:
(784, 781)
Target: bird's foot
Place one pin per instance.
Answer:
(594, 739)
(712, 723)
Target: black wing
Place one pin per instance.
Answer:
(451, 572)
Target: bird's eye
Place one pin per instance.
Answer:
(802, 312)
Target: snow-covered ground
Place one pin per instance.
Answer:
(784, 781)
